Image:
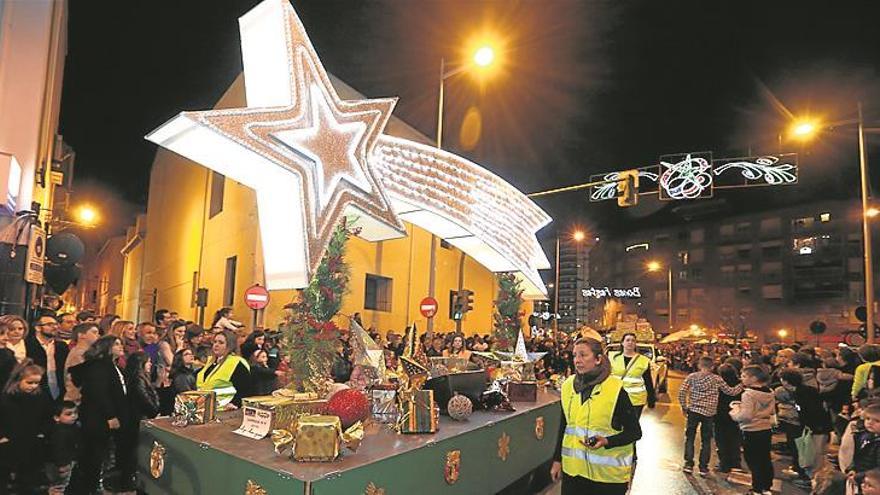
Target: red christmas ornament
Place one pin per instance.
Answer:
(350, 405)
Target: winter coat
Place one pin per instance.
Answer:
(867, 450)
(7, 363)
(786, 408)
(24, 421)
(36, 352)
(263, 380)
(103, 395)
(183, 380)
(143, 399)
(811, 410)
(755, 411)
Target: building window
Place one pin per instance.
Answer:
(727, 230)
(696, 274)
(726, 253)
(229, 281)
(856, 291)
(697, 236)
(377, 293)
(697, 255)
(743, 227)
(682, 313)
(660, 296)
(771, 267)
(771, 250)
(773, 291)
(698, 295)
(727, 272)
(683, 257)
(803, 246)
(683, 235)
(744, 272)
(744, 252)
(854, 265)
(218, 183)
(728, 294)
(802, 224)
(825, 217)
(661, 238)
(771, 225)
(744, 290)
(681, 296)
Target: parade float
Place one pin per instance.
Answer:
(323, 170)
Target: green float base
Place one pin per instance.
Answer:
(211, 459)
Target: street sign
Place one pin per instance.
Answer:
(428, 307)
(36, 256)
(818, 327)
(256, 297)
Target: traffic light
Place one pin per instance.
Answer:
(467, 300)
(462, 302)
(628, 188)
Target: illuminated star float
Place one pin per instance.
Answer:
(313, 158)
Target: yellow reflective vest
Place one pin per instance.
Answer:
(632, 376)
(220, 378)
(588, 419)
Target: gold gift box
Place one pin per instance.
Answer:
(317, 438)
(195, 407)
(285, 410)
(419, 413)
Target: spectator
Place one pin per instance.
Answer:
(127, 333)
(66, 322)
(15, 335)
(49, 353)
(263, 379)
(25, 414)
(104, 408)
(754, 415)
(183, 373)
(871, 482)
(196, 339)
(698, 397)
(436, 349)
(7, 357)
(86, 316)
(64, 441)
(870, 354)
(479, 344)
(728, 440)
(106, 323)
(790, 423)
(175, 339)
(866, 436)
(163, 318)
(256, 340)
(457, 349)
(813, 415)
(143, 404)
(84, 334)
(223, 320)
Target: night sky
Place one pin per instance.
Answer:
(585, 87)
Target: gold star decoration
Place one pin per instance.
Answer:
(503, 446)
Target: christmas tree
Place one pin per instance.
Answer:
(507, 311)
(310, 334)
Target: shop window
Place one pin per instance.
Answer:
(377, 293)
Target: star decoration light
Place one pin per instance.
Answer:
(313, 158)
(503, 446)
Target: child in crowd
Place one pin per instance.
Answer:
(755, 417)
(64, 439)
(25, 413)
(871, 482)
(812, 415)
(263, 379)
(866, 436)
(7, 357)
(698, 397)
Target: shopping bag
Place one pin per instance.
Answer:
(805, 449)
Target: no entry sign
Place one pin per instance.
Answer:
(256, 297)
(428, 307)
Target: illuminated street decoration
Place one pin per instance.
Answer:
(313, 159)
(634, 292)
(697, 175)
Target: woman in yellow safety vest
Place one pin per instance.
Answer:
(224, 372)
(634, 369)
(594, 452)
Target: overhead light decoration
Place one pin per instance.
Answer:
(313, 159)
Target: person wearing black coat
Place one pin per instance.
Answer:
(144, 404)
(36, 345)
(105, 407)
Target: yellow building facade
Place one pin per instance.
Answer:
(201, 230)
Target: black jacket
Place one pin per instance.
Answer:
(867, 450)
(142, 397)
(24, 420)
(7, 363)
(811, 410)
(103, 396)
(263, 380)
(36, 352)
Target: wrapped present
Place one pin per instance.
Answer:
(518, 371)
(418, 412)
(383, 404)
(196, 407)
(285, 409)
(522, 391)
(318, 438)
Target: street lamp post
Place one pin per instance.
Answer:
(483, 57)
(655, 266)
(866, 233)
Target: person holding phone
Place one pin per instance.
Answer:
(594, 449)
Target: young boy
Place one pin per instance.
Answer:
(698, 397)
(866, 436)
(811, 414)
(871, 482)
(754, 415)
(64, 441)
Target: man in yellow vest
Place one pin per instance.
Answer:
(635, 370)
(594, 453)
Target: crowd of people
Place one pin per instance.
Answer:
(814, 396)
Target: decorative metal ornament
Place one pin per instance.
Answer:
(453, 466)
(372, 489)
(503, 446)
(253, 488)
(539, 427)
(157, 460)
(313, 158)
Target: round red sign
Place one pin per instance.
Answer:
(428, 307)
(256, 297)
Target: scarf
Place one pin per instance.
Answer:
(593, 377)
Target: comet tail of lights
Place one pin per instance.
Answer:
(314, 159)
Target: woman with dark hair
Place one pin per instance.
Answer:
(727, 435)
(183, 373)
(104, 408)
(635, 370)
(223, 321)
(256, 340)
(263, 380)
(594, 450)
(457, 348)
(224, 372)
(174, 340)
(144, 404)
(106, 323)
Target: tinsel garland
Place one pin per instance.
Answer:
(310, 333)
(507, 312)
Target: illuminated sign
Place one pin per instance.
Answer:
(634, 292)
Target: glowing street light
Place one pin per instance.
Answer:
(484, 56)
(86, 215)
(783, 333)
(656, 266)
(872, 212)
(578, 236)
(804, 129)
